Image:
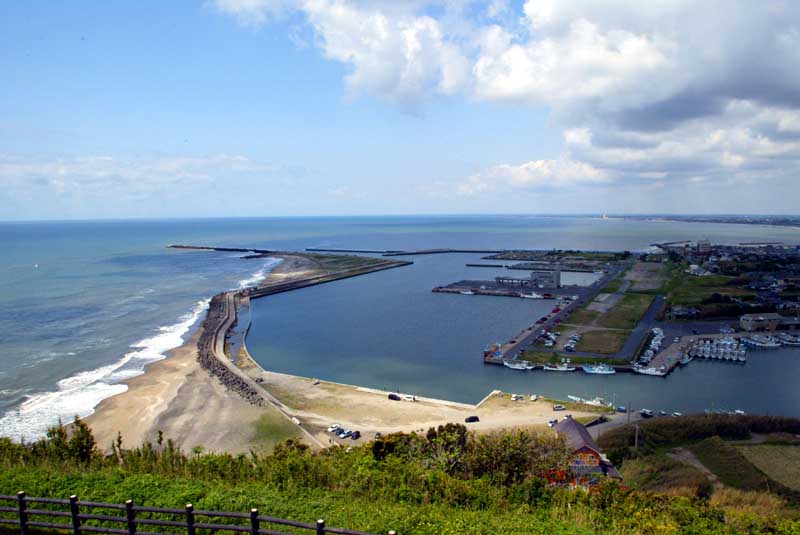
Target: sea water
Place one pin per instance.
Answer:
(86, 305)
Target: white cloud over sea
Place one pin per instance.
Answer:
(663, 92)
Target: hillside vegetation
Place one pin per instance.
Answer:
(446, 481)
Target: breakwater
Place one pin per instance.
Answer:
(222, 316)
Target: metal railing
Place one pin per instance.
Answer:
(129, 518)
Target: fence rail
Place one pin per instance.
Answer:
(130, 517)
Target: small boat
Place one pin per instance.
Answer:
(559, 368)
(521, 366)
(658, 372)
(532, 295)
(646, 413)
(600, 369)
(662, 413)
(467, 292)
(686, 359)
(677, 414)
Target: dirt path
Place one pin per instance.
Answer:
(684, 455)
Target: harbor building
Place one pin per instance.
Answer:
(760, 322)
(588, 464)
(547, 279)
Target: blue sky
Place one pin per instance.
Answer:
(295, 107)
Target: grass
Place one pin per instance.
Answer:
(604, 342)
(614, 286)
(627, 312)
(582, 316)
(660, 473)
(730, 466)
(779, 462)
(684, 289)
(273, 428)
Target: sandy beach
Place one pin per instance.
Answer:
(179, 398)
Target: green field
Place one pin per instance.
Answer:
(273, 428)
(605, 342)
(685, 289)
(660, 473)
(779, 462)
(730, 466)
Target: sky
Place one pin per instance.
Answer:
(215, 108)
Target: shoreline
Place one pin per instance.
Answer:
(193, 407)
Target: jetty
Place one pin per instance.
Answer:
(410, 252)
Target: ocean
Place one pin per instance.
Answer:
(86, 305)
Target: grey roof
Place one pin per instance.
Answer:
(577, 435)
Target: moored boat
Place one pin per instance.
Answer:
(599, 369)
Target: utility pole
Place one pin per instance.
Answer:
(636, 438)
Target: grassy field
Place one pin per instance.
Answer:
(582, 316)
(730, 466)
(273, 428)
(685, 289)
(626, 313)
(605, 342)
(660, 473)
(778, 462)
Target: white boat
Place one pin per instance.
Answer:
(559, 368)
(600, 369)
(658, 372)
(521, 366)
(467, 292)
(532, 295)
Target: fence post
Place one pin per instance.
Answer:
(253, 521)
(23, 516)
(131, 516)
(189, 519)
(320, 527)
(73, 509)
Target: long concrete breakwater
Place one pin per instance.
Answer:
(222, 316)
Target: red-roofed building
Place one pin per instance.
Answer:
(588, 464)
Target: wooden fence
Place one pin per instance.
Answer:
(75, 513)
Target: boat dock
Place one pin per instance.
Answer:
(500, 288)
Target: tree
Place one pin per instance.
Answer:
(82, 446)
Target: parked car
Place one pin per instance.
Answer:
(551, 423)
(394, 397)
(334, 428)
(356, 435)
(559, 408)
(472, 419)
(344, 434)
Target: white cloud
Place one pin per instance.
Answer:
(106, 175)
(536, 174)
(672, 89)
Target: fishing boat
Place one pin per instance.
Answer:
(521, 366)
(600, 369)
(532, 295)
(686, 359)
(467, 292)
(563, 367)
(658, 372)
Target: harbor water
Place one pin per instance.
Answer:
(86, 305)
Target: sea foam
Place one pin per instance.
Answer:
(80, 393)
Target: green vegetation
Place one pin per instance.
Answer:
(658, 433)
(685, 289)
(605, 342)
(447, 481)
(627, 312)
(582, 316)
(339, 262)
(660, 473)
(615, 285)
(729, 465)
(779, 462)
(273, 428)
